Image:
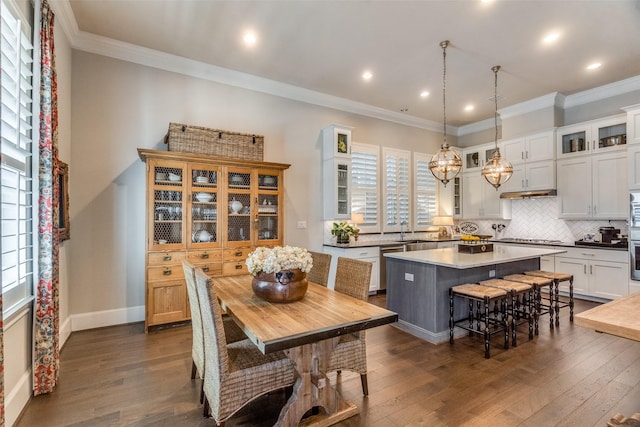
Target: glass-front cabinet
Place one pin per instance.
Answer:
(591, 137)
(209, 211)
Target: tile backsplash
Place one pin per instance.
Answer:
(538, 219)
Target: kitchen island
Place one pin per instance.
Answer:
(419, 282)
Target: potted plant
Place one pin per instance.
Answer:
(344, 231)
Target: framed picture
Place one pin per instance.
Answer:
(63, 211)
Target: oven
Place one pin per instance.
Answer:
(634, 252)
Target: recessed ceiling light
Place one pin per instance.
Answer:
(250, 38)
(469, 107)
(594, 66)
(367, 75)
(550, 38)
(424, 94)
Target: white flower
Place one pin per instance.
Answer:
(279, 258)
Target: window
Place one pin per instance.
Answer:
(425, 192)
(16, 184)
(397, 188)
(364, 187)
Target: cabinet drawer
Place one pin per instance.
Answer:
(210, 268)
(166, 258)
(239, 254)
(234, 268)
(168, 272)
(359, 253)
(204, 255)
(596, 254)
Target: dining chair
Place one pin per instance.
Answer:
(352, 278)
(320, 271)
(235, 373)
(232, 331)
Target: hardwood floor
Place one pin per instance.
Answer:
(569, 377)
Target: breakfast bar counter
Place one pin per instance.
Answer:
(418, 282)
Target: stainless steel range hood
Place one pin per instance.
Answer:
(528, 194)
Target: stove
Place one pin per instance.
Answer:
(530, 241)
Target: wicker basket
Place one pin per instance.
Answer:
(214, 142)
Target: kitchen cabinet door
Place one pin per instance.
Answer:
(609, 280)
(531, 176)
(577, 267)
(633, 155)
(633, 124)
(610, 198)
(574, 187)
(480, 199)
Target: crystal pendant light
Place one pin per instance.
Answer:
(446, 163)
(497, 171)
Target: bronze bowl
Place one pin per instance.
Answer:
(281, 287)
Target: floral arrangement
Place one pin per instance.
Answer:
(344, 230)
(273, 260)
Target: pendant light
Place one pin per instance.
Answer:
(446, 163)
(497, 171)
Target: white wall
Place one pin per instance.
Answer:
(119, 106)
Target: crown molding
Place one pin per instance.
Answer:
(99, 45)
(602, 92)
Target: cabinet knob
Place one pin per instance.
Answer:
(239, 267)
(204, 256)
(166, 258)
(239, 253)
(205, 269)
(167, 272)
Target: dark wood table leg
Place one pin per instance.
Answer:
(313, 388)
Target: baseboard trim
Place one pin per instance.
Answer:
(433, 338)
(17, 398)
(100, 319)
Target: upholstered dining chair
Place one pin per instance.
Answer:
(352, 278)
(232, 331)
(320, 271)
(235, 373)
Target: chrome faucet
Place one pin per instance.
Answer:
(402, 223)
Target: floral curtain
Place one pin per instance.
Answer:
(46, 328)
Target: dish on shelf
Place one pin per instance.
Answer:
(174, 177)
(467, 227)
(204, 197)
(236, 179)
(201, 179)
(269, 180)
(201, 236)
(267, 209)
(162, 242)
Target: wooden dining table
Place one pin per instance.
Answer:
(307, 331)
(618, 317)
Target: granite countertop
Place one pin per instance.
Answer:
(450, 257)
(385, 243)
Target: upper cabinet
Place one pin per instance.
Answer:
(591, 137)
(531, 148)
(474, 158)
(336, 170)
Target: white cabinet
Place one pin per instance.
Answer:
(591, 137)
(529, 148)
(474, 158)
(633, 154)
(593, 186)
(336, 172)
(479, 198)
(633, 124)
(531, 176)
(597, 273)
(371, 254)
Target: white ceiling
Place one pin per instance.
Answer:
(325, 46)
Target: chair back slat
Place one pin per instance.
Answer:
(197, 351)
(353, 277)
(320, 271)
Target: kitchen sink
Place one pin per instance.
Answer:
(419, 246)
